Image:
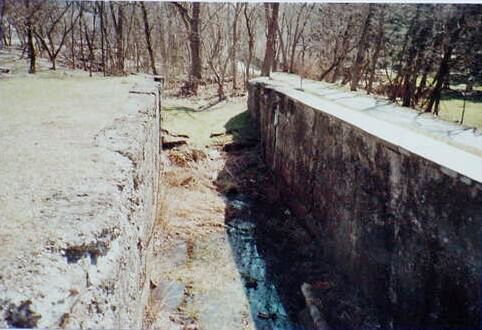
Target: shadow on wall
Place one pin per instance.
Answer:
(274, 251)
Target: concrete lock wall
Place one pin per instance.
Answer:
(400, 227)
(84, 264)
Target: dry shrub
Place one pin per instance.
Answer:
(179, 157)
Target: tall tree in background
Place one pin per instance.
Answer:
(361, 50)
(234, 46)
(90, 34)
(218, 48)
(379, 40)
(341, 50)
(455, 27)
(30, 11)
(250, 20)
(415, 55)
(101, 10)
(147, 32)
(271, 13)
(54, 25)
(2, 10)
(303, 13)
(118, 22)
(192, 24)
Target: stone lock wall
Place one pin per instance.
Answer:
(401, 228)
(87, 266)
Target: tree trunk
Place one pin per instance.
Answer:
(72, 46)
(92, 45)
(192, 25)
(2, 10)
(297, 35)
(272, 21)
(362, 47)
(378, 48)
(249, 29)
(339, 59)
(107, 46)
(53, 60)
(282, 47)
(147, 32)
(102, 35)
(7, 37)
(119, 39)
(456, 26)
(195, 42)
(30, 44)
(119, 35)
(415, 56)
(395, 88)
(235, 44)
(82, 55)
(162, 45)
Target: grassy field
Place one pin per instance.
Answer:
(451, 110)
(226, 119)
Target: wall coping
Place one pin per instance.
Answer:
(454, 147)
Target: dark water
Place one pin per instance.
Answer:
(274, 302)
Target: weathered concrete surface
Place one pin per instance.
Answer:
(395, 209)
(78, 190)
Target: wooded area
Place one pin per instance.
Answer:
(412, 53)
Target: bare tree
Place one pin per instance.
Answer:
(147, 32)
(217, 49)
(101, 10)
(297, 34)
(191, 22)
(55, 25)
(234, 46)
(378, 47)
(342, 48)
(118, 22)
(362, 47)
(455, 28)
(90, 39)
(271, 12)
(29, 26)
(250, 20)
(2, 11)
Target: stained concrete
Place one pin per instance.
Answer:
(78, 190)
(394, 207)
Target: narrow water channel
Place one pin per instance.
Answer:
(268, 263)
(267, 308)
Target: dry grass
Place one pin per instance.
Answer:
(189, 205)
(161, 224)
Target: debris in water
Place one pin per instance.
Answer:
(249, 281)
(267, 316)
